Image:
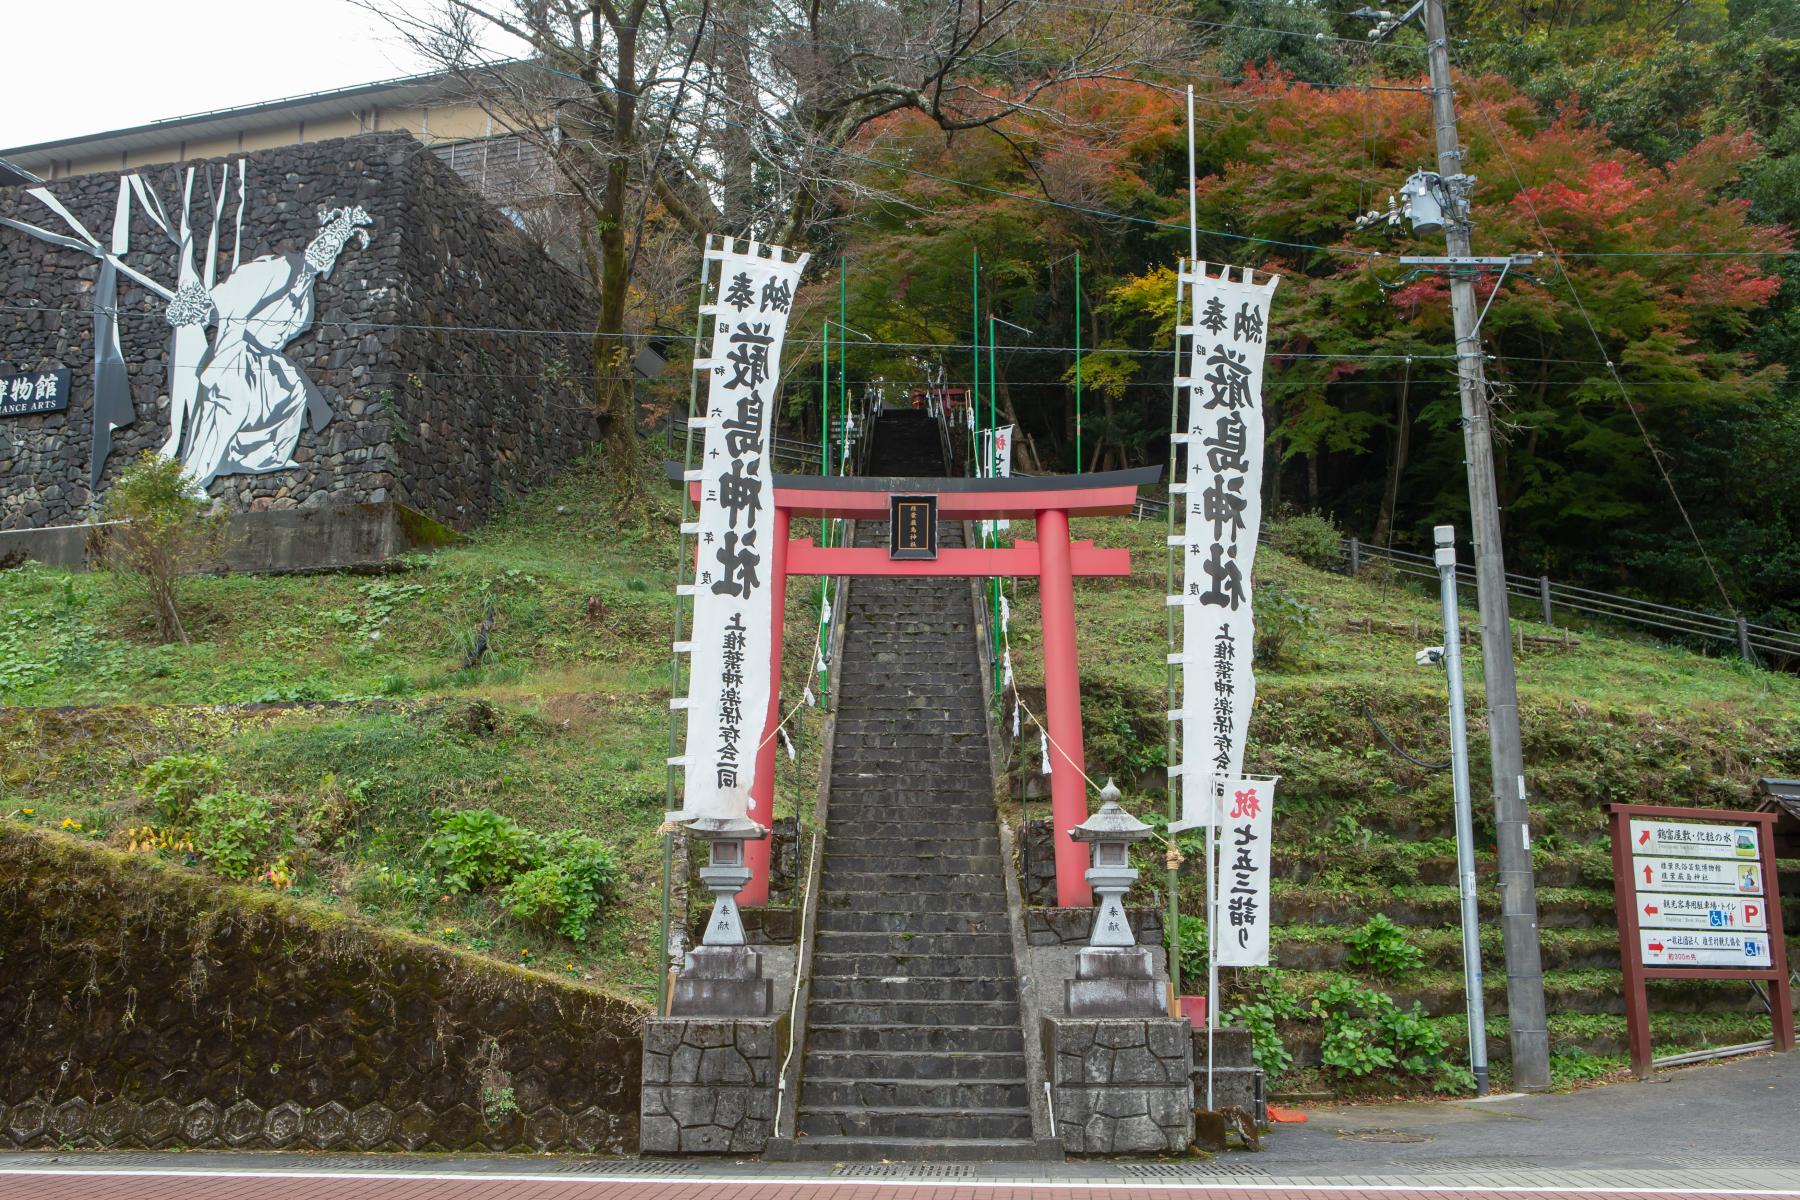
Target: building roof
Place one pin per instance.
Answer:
(408, 91)
(15, 176)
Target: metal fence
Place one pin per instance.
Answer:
(1763, 645)
(1760, 644)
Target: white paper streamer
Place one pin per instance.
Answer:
(786, 741)
(1044, 749)
(812, 701)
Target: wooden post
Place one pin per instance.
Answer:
(1743, 627)
(1355, 558)
(1637, 1004)
(1544, 596)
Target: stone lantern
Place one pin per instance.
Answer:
(1114, 976)
(722, 976)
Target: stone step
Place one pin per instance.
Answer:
(912, 881)
(932, 851)
(898, 901)
(914, 1122)
(956, 945)
(965, 837)
(839, 862)
(883, 966)
(835, 921)
(901, 1039)
(976, 1150)
(914, 988)
(921, 1065)
(913, 1093)
(886, 834)
(926, 794)
(924, 1013)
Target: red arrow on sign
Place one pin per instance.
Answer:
(1650, 910)
(1643, 837)
(1646, 874)
(1656, 947)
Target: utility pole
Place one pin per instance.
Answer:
(1518, 890)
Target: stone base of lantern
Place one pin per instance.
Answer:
(722, 981)
(1121, 1086)
(1115, 981)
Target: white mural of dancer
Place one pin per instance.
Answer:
(236, 404)
(249, 402)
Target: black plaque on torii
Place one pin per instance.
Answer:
(913, 527)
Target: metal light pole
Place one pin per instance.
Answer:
(1518, 890)
(1474, 999)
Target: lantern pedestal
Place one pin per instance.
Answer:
(722, 977)
(1114, 981)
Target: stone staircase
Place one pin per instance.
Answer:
(913, 1044)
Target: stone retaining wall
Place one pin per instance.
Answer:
(440, 396)
(145, 1005)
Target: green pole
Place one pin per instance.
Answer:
(843, 353)
(1078, 459)
(975, 373)
(993, 409)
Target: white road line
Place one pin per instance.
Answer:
(841, 1181)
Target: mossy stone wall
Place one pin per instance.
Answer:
(144, 1005)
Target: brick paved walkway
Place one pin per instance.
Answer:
(47, 1184)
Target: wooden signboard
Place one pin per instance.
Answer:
(913, 527)
(1697, 898)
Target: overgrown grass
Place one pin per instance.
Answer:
(346, 695)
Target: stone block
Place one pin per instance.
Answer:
(1114, 1092)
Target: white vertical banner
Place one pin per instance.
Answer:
(729, 676)
(1221, 490)
(1240, 921)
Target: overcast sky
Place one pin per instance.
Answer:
(84, 66)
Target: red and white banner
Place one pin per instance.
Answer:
(1240, 918)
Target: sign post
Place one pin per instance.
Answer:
(1697, 898)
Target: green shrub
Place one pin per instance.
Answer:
(565, 892)
(1572, 1064)
(159, 526)
(1266, 1046)
(478, 848)
(1282, 622)
(1381, 946)
(1367, 1033)
(175, 782)
(1313, 538)
(232, 829)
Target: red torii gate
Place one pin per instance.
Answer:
(1053, 558)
